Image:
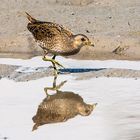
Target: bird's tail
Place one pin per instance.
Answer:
(30, 18)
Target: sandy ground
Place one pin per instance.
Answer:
(113, 25)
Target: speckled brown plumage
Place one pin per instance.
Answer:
(60, 106)
(56, 39)
(51, 37)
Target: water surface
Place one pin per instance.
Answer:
(116, 117)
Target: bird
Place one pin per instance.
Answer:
(60, 107)
(56, 39)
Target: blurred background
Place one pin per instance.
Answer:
(114, 26)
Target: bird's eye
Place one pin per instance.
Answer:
(83, 39)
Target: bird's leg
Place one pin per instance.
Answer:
(54, 81)
(54, 63)
(54, 66)
(52, 60)
(51, 88)
(57, 63)
(55, 87)
(55, 71)
(54, 57)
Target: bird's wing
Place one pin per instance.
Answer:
(48, 30)
(66, 30)
(41, 28)
(53, 36)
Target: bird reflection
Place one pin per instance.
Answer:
(60, 106)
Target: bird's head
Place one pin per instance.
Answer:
(86, 109)
(81, 40)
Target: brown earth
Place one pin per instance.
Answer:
(113, 25)
(11, 72)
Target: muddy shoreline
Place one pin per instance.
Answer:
(112, 25)
(13, 73)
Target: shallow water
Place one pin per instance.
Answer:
(71, 63)
(116, 117)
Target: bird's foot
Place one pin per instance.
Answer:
(57, 87)
(46, 59)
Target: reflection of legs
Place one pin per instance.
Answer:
(54, 62)
(54, 81)
(55, 87)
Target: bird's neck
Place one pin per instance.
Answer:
(77, 46)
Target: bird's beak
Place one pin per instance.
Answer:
(94, 105)
(90, 44)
